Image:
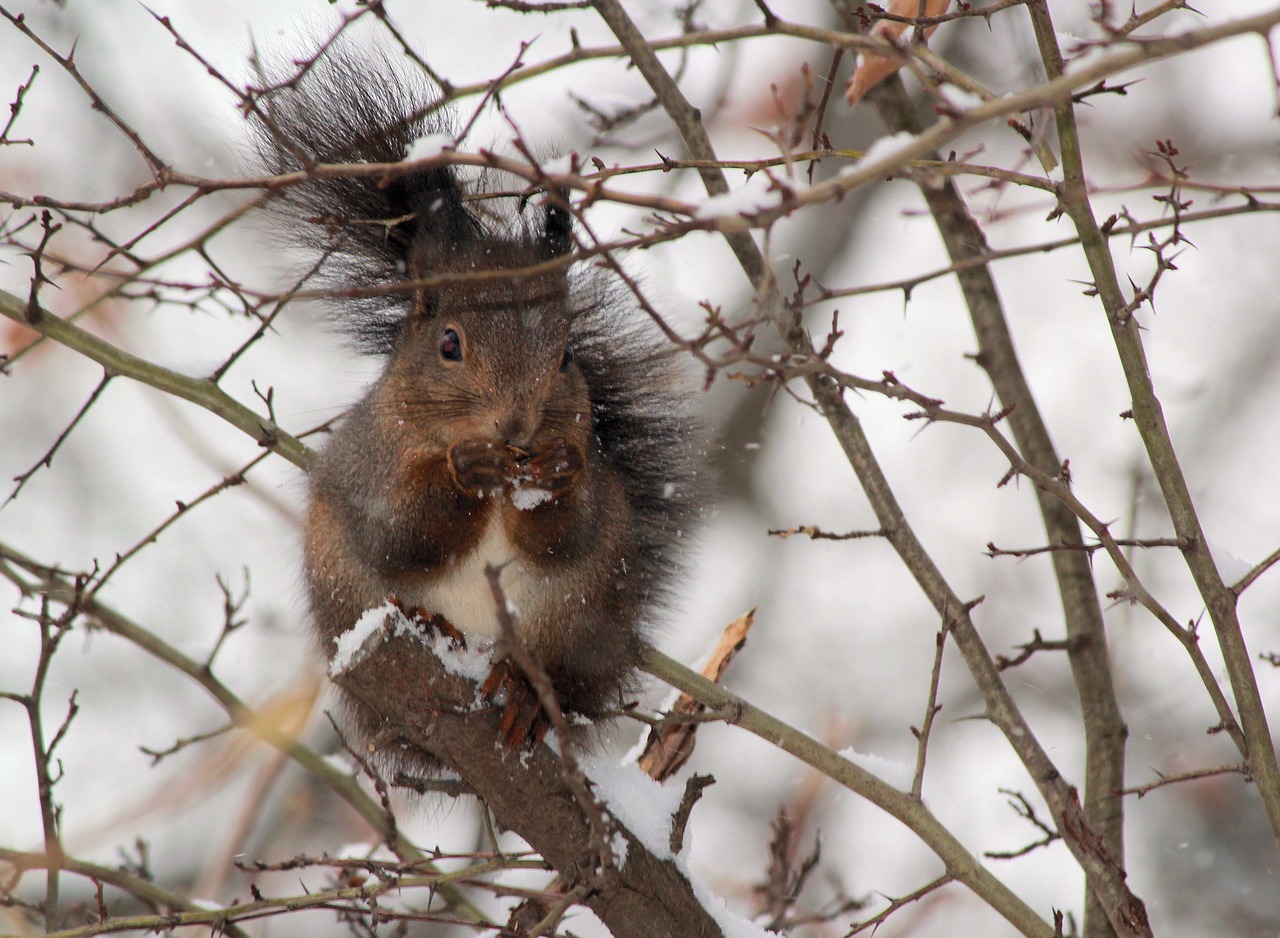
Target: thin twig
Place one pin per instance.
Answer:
(154, 163)
(46, 460)
(993, 551)
(1240, 768)
(931, 709)
(814, 533)
(1249, 578)
(879, 918)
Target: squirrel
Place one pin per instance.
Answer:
(527, 418)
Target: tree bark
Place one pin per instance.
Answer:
(431, 710)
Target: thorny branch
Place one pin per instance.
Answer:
(1194, 775)
(46, 460)
(931, 710)
(873, 923)
(1058, 486)
(1220, 600)
(1027, 812)
(1037, 643)
(67, 62)
(15, 108)
(360, 898)
(182, 507)
(136, 883)
(56, 587)
(727, 340)
(48, 767)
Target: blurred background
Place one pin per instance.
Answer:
(844, 640)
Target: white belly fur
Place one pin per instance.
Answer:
(462, 594)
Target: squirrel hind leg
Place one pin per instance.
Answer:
(524, 720)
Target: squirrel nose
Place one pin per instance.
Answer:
(517, 428)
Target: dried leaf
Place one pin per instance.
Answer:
(670, 746)
(875, 67)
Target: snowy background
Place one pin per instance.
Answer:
(844, 640)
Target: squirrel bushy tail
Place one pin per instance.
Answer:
(349, 108)
(367, 233)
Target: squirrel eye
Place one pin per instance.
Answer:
(568, 358)
(450, 346)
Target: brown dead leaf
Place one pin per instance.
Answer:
(670, 746)
(875, 67)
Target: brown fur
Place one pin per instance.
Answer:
(431, 458)
(547, 438)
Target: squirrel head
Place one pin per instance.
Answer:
(487, 351)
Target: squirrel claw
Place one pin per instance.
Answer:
(430, 621)
(524, 721)
(556, 466)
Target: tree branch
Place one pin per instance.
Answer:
(431, 709)
(903, 806)
(117, 361)
(1086, 845)
(1104, 728)
(1148, 416)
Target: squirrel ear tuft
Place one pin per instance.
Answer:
(557, 226)
(440, 215)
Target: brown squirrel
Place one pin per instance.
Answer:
(526, 418)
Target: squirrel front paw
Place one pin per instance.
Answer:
(555, 466)
(479, 467)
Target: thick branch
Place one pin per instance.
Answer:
(430, 709)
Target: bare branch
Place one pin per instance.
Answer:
(46, 460)
(879, 918)
(931, 709)
(117, 361)
(1142, 791)
(1149, 418)
(1024, 810)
